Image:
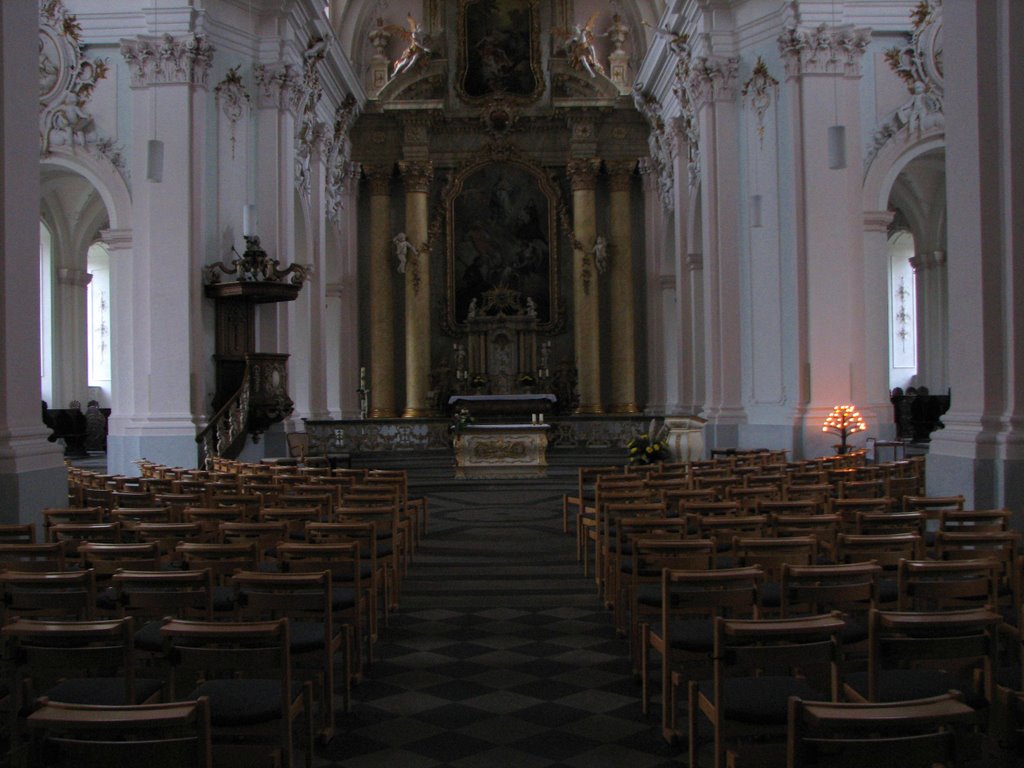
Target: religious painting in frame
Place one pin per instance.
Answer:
(499, 50)
(502, 236)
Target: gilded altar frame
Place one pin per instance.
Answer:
(502, 238)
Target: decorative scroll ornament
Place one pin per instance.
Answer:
(919, 65)
(66, 79)
(232, 97)
(168, 59)
(339, 159)
(823, 50)
(255, 266)
(660, 144)
(760, 89)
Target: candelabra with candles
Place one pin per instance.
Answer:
(845, 421)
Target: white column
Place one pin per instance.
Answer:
(876, 408)
(823, 68)
(686, 401)
(122, 328)
(654, 242)
(980, 453)
(170, 250)
(70, 336)
(712, 89)
(32, 472)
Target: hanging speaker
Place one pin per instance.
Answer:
(836, 147)
(154, 160)
(755, 210)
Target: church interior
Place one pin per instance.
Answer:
(487, 244)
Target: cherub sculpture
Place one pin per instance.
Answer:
(601, 254)
(403, 250)
(579, 45)
(415, 49)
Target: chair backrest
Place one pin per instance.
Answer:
(885, 549)
(211, 517)
(1000, 546)
(147, 595)
(266, 534)
(818, 491)
(824, 528)
(794, 507)
(32, 557)
(848, 508)
(55, 515)
(294, 518)
(105, 558)
(920, 733)
(860, 489)
(67, 595)
(132, 499)
(653, 554)
(936, 585)
(302, 595)
(869, 523)
(73, 535)
(18, 533)
(165, 735)
(932, 505)
(974, 520)
(732, 592)
(722, 528)
(128, 516)
(810, 589)
(771, 554)
(222, 559)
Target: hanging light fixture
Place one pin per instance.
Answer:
(155, 147)
(249, 209)
(836, 131)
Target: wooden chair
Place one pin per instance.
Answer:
(57, 596)
(884, 549)
(876, 523)
(722, 529)
(248, 504)
(32, 557)
(374, 572)
(860, 489)
(389, 545)
(76, 662)
(792, 507)
(55, 515)
(73, 535)
(684, 636)
(1001, 546)
(974, 520)
(315, 637)
(106, 559)
(353, 600)
(620, 566)
(222, 560)
(123, 499)
(294, 518)
(921, 733)
(245, 670)
(210, 518)
(613, 513)
(267, 535)
(129, 516)
(758, 665)
(824, 528)
(164, 735)
(918, 654)
(847, 509)
(168, 536)
(770, 555)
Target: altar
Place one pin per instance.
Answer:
(501, 451)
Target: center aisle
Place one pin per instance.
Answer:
(500, 655)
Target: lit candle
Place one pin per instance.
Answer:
(249, 220)
(362, 377)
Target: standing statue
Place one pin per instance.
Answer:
(601, 254)
(416, 48)
(403, 250)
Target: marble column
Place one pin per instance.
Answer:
(695, 274)
(622, 312)
(583, 179)
(417, 175)
(931, 321)
(382, 295)
(876, 407)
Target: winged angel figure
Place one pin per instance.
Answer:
(416, 45)
(579, 45)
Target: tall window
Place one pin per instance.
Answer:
(45, 314)
(902, 312)
(99, 322)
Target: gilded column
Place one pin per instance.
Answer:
(382, 296)
(417, 176)
(621, 290)
(583, 176)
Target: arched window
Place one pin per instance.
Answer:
(902, 312)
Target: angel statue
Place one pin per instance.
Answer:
(677, 43)
(403, 250)
(579, 45)
(601, 254)
(416, 48)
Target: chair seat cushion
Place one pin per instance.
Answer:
(107, 691)
(904, 684)
(648, 594)
(761, 700)
(853, 632)
(106, 600)
(771, 594)
(342, 598)
(148, 637)
(693, 635)
(223, 598)
(888, 591)
(235, 703)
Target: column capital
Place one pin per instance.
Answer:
(939, 258)
(921, 262)
(278, 86)
(620, 172)
(417, 174)
(878, 221)
(116, 239)
(69, 276)
(162, 59)
(824, 50)
(379, 178)
(582, 172)
(711, 79)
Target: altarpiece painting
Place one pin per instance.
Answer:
(499, 51)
